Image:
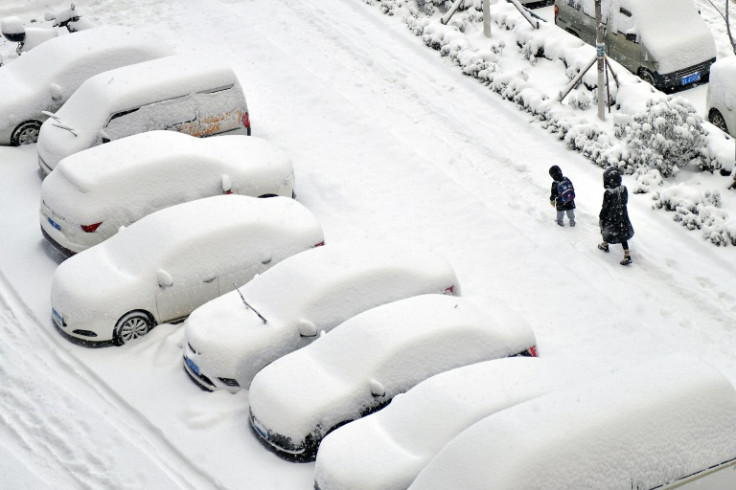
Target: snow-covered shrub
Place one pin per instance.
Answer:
(579, 99)
(646, 179)
(692, 208)
(667, 136)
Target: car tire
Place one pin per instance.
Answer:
(26, 133)
(131, 326)
(647, 76)
(716, 119)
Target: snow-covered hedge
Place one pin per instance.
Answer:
(654, 135)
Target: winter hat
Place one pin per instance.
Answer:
(555, 172)
(611, 178)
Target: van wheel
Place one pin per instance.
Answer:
(131, 326)
(716, 119)
(573, 33)
(647, 76)
(26, 133)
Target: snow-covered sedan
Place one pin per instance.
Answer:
(386, 450)
(231, 338)
(44, 78)
(91, 194)
(720, 101)
(657, 424)
(361, 365)
(170, 262)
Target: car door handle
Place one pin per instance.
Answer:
(209, 279)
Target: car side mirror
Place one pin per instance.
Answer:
(104, 138)
(377, 388)
(227, 184)
(632, 36)
(164, 279)
(56, 93)
(307, 328)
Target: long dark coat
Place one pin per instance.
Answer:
(614, 217)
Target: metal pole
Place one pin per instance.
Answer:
(601, 55)
(487, 18)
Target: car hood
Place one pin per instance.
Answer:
(229, 340)
(89, 286)
(19, 102)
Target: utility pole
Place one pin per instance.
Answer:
(600, 47)
(487, 18)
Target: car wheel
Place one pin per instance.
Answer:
(647, 76)
(132, 325)
(26, 133)
(716, 119)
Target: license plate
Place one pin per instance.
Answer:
(58, 319)
(259, 428)
(192, 365)
(54, 224)
(690, 79)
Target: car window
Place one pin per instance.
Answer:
(167, 114)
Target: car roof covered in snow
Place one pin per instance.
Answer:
(131, 86)
(386, 450)
(393, 346)
(639, 427)
(93, 183)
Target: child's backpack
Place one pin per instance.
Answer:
(565, 191)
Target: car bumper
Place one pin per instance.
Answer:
(281, 444)
(85, 332)
(699, 73)
(192, 360)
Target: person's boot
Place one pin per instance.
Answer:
(603, 246)
(626, 260)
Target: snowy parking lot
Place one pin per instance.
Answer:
(390, 141)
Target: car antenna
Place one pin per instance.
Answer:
(247, 305)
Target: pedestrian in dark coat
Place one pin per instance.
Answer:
(614, 216)
(554, 197)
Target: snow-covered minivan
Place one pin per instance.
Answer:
(191, 95)
(665, 42)
(720, 101)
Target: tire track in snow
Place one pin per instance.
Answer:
(75, 429)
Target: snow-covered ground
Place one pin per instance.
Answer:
(389, 141)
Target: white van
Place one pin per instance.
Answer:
(720, 101)
(665, 42)
(180, 93)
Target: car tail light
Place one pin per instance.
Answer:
(320, 244)
(557, 12)
(91, 228)
(246, 122)
(450, 290)
(532, 351)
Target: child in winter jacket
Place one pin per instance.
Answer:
(614, 216)
(562, 196)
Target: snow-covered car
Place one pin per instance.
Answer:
(720, 105)
(231, 338)
(657, 424)
(168, 263)
(361, 365)
(190, 94)
(44, 78)
(94, 192)
(386, 450)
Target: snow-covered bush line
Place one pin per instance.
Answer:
(655, 135)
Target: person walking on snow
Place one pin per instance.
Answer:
(614, 216)
(562, 196)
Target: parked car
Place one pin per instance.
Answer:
(44, 78)
(189, 94)
(231, 338)
(665, 42)
(721, 96)
(94, 192)
(386, 450)
(361, 365)
(658, 424)
(168, 263)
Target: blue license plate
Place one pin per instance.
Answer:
(192, 365)
(54, 224)
(690, 79)
(58, 319)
